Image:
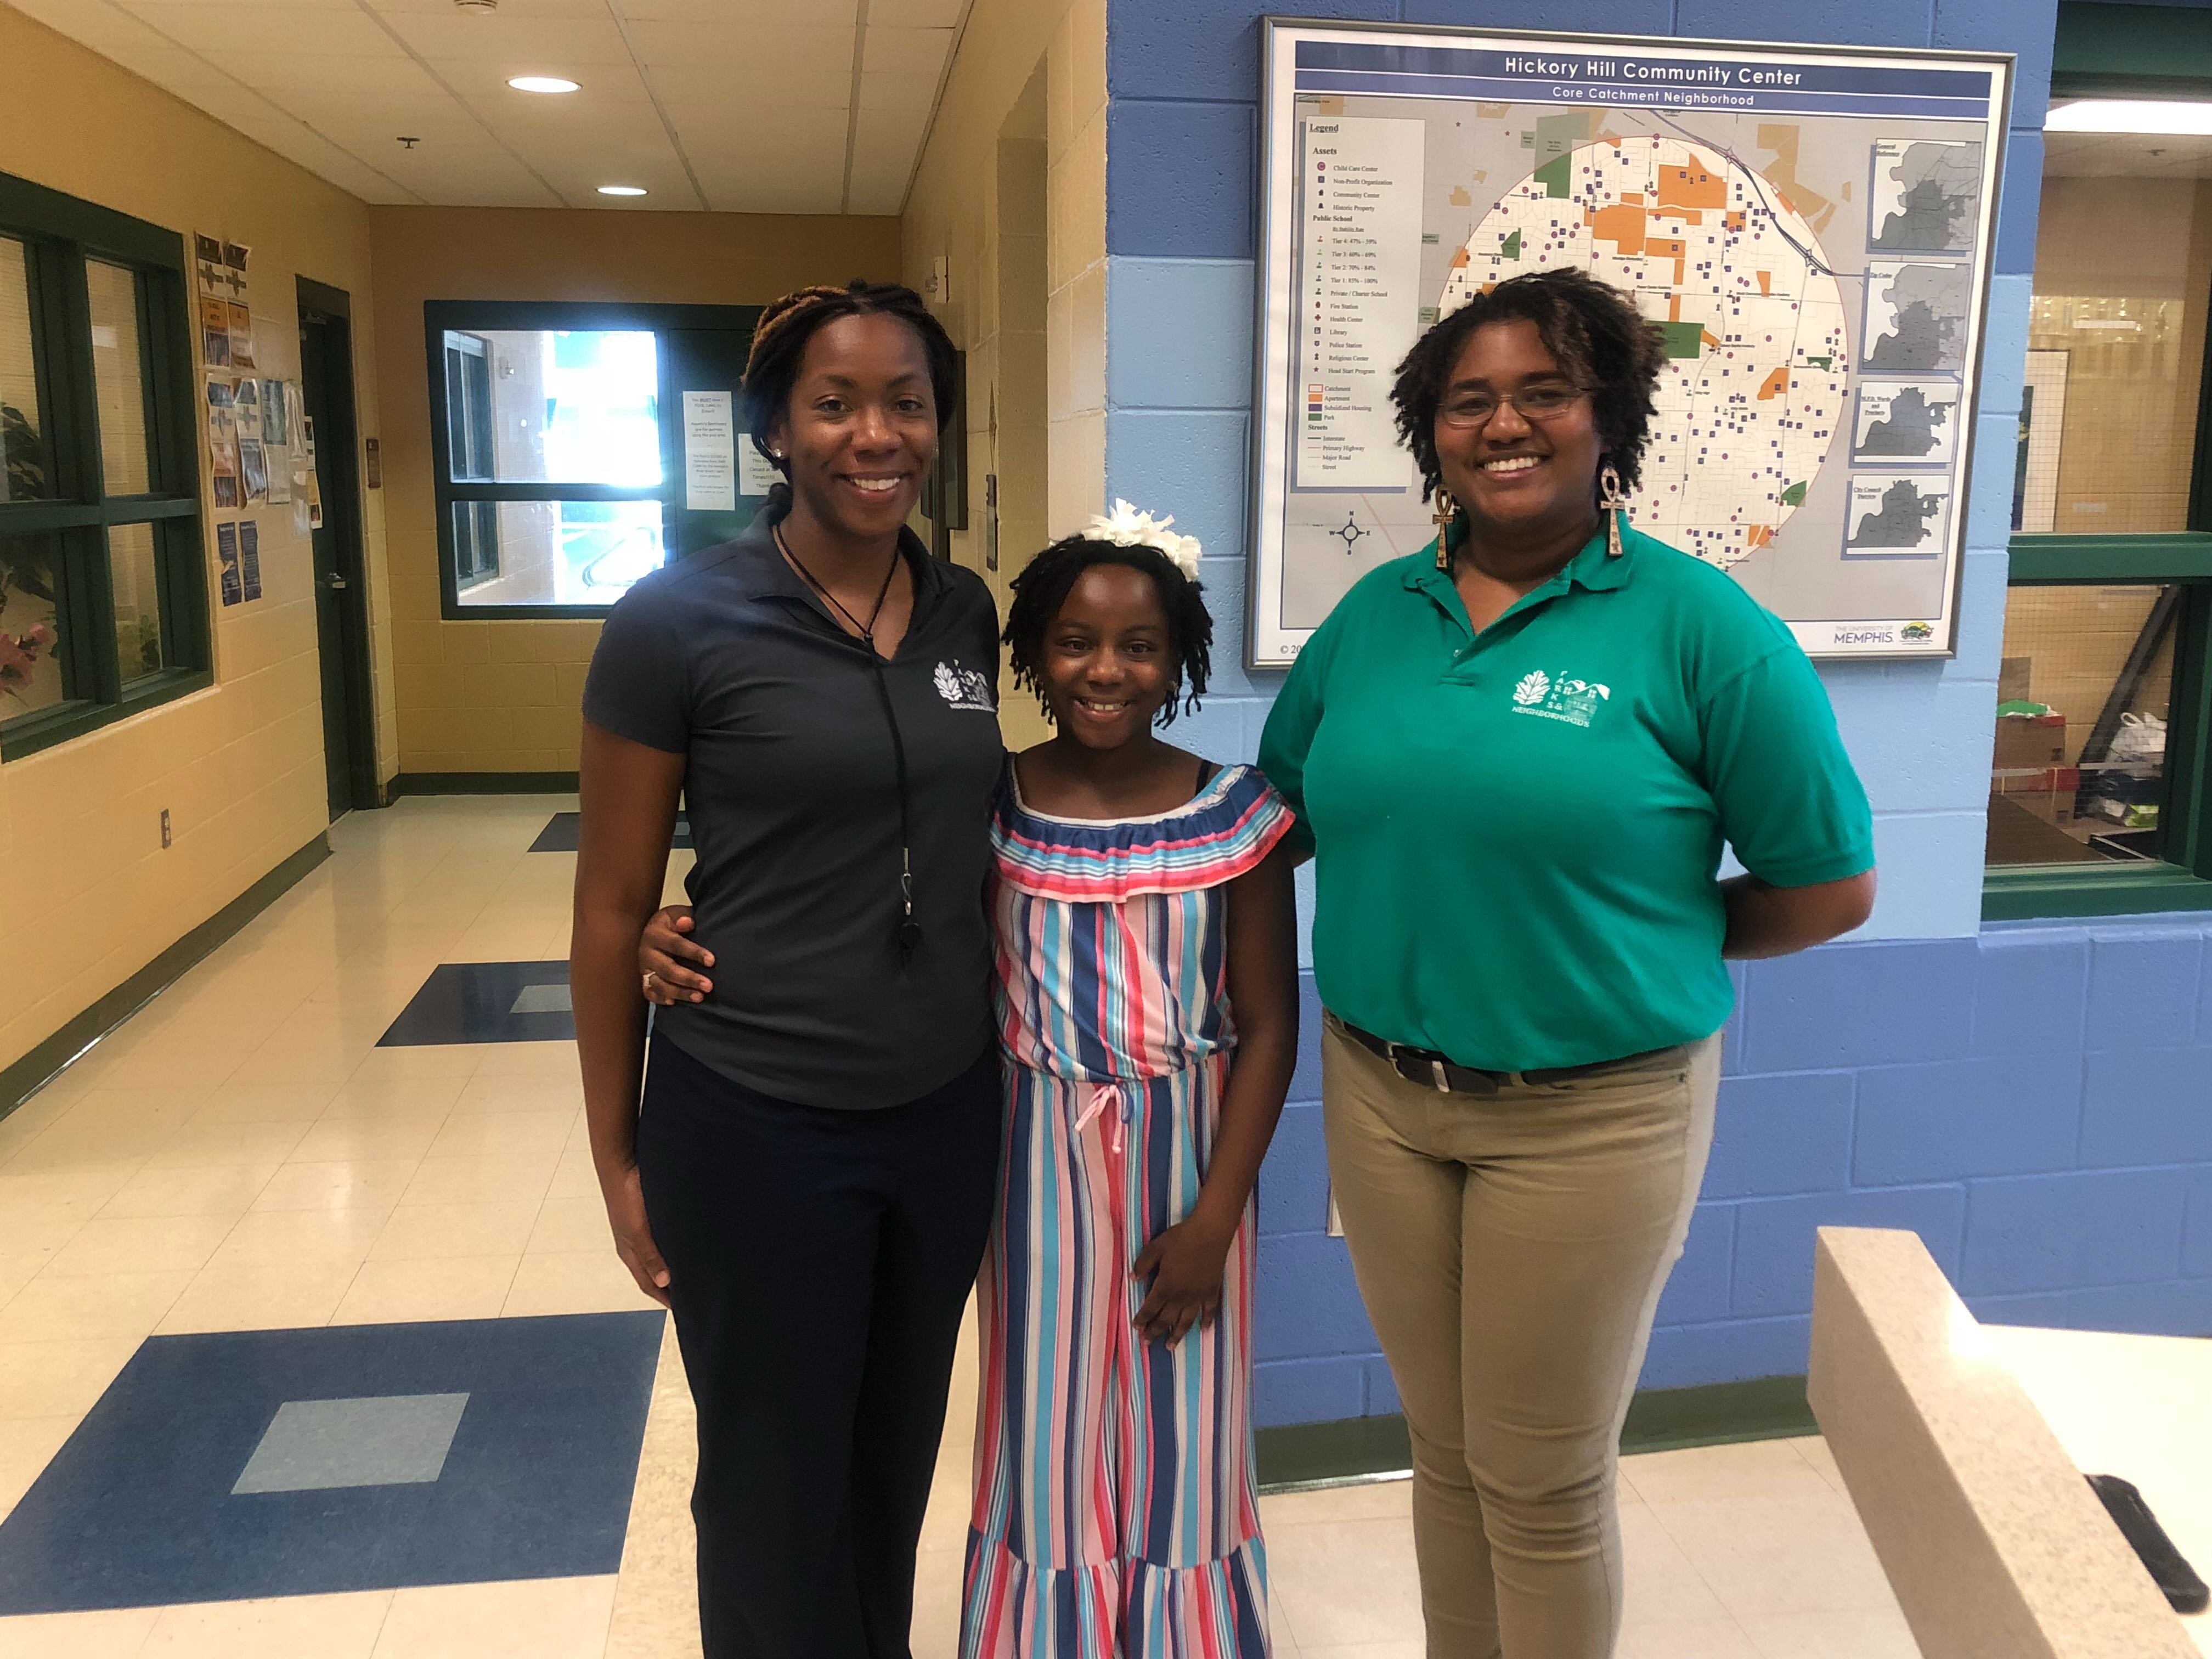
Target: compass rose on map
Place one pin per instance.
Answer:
(1350, 533)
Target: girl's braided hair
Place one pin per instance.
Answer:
(779, 348)
(1594, 333)
(1044, 586)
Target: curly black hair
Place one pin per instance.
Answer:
(779, 348)
(1044, 586)
(1593, 331)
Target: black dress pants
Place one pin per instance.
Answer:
(818, 1263)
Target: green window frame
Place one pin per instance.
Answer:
(2136, 51)
(72, 516)
(468, 498)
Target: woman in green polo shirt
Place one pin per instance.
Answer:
(1518, 757)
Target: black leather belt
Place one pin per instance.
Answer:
(1433, 1071)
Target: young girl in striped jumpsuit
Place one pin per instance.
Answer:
(1147, 1011)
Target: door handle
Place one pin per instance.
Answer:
(335, 582)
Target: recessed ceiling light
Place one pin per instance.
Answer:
(540, 84)
(621, 189)
(2148, 115)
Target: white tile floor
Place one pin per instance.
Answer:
(241, 1155)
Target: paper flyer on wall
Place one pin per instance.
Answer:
(235, 256)
(215, 333)
(254, 469)
(298, 495)
(226, 552)
(249, 558)
(245, 401)
(276, 412)
(210, 279)
(222, 441)
(241, 335)
(311, 492)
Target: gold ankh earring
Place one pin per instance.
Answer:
(1613, 502)
(1447, 511)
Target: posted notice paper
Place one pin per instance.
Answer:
(710, 454)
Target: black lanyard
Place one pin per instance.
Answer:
(909, 930)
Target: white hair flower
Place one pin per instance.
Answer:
(1126, 527)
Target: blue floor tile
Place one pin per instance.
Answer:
(559, 835)
(529, 1477)
(486, 1002)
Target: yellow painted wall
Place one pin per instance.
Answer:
(87, 896)
(503, 696)
(1027, 295)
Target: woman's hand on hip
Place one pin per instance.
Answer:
(1185, 1265)
(664, 948)
(625, 1197)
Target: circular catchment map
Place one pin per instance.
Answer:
(1755, 385)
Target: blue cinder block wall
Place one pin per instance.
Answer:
(2035, 1101)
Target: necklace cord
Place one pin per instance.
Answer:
(909, 930)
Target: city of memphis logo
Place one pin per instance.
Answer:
(1558, 699)
(963, 688)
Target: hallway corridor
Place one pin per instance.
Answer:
(321, 1333)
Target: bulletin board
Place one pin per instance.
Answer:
(1810, 226)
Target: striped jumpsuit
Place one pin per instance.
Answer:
(1116, 1515)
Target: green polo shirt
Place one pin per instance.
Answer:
(1516, 833)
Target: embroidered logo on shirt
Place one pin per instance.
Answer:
(963, 688)
(1574, 701)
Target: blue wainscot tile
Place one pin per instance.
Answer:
(2147, 1106)
(2059, 1232)
(1736, 1351)
(1307, 1391)
(2143, 987)
(1790, 1133)
(1309, 1305)
(1774, 1238)
(2002, 1114)
(2031, 992)
(1890, 1002)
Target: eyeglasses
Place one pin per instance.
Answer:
(1535, 403)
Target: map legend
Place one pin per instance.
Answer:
(1362, 194)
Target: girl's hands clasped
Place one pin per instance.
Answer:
(1185, 1265)
(666, 958)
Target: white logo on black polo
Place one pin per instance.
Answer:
(963, 688)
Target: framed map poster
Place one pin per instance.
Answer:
(1810, 226)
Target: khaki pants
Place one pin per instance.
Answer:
(1510, 1249)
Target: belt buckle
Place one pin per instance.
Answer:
(1437, 1070)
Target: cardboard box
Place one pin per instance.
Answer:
(2014, 679)
(2029, 743)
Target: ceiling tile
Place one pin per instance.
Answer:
(161, 7)
(903, 94)
(760, 85)
(380, 77)
(740, 12)
(889, 134)
(230, 28)
(701, 127)
(916, 14)
(879, 181)
(607, 88)
(905, 51)
(530, 44)
(507, 8)
(735, 186)
(795, 48)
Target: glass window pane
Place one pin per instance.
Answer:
(2116, 335)
(2080, 769)
(27, 472)
(118, 367)
(554, 552)
(131, 568)
(30, 626)
(557, 406)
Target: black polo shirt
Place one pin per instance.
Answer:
(727, 659)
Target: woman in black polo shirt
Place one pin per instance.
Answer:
(809, 1184)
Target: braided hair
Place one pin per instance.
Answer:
(779, 351)
(1594, 333)
(1044, 586)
